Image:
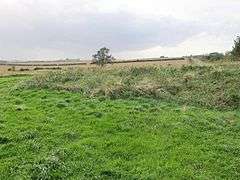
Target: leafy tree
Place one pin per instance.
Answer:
(102, 57)
(236, 49)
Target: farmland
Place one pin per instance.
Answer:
(29, 67)
(161, 120)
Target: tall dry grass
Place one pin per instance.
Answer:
(209, 86)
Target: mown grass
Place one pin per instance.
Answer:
(93, 131)
(205, 86)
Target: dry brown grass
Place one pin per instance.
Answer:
(4, 70)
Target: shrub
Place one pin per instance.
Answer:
(13, 68)
(215, 56)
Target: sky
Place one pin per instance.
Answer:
(59, 29)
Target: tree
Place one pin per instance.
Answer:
(102, 57)
(236, 49)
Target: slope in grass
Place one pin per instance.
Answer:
(47, 134)
(215, 87)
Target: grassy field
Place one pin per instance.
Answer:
(33, 68)
(124, 123)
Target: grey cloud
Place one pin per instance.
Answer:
(85, 32)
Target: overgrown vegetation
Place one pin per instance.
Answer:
(51, 134)
(206, 86)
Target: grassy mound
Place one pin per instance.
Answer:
(49, 134)
(207, 86)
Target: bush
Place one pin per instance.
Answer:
(236, 49)
(215, 56)
(12, 68)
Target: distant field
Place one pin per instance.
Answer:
(33, 67)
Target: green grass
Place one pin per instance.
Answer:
(55, 134)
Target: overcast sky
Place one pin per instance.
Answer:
(53, 29)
